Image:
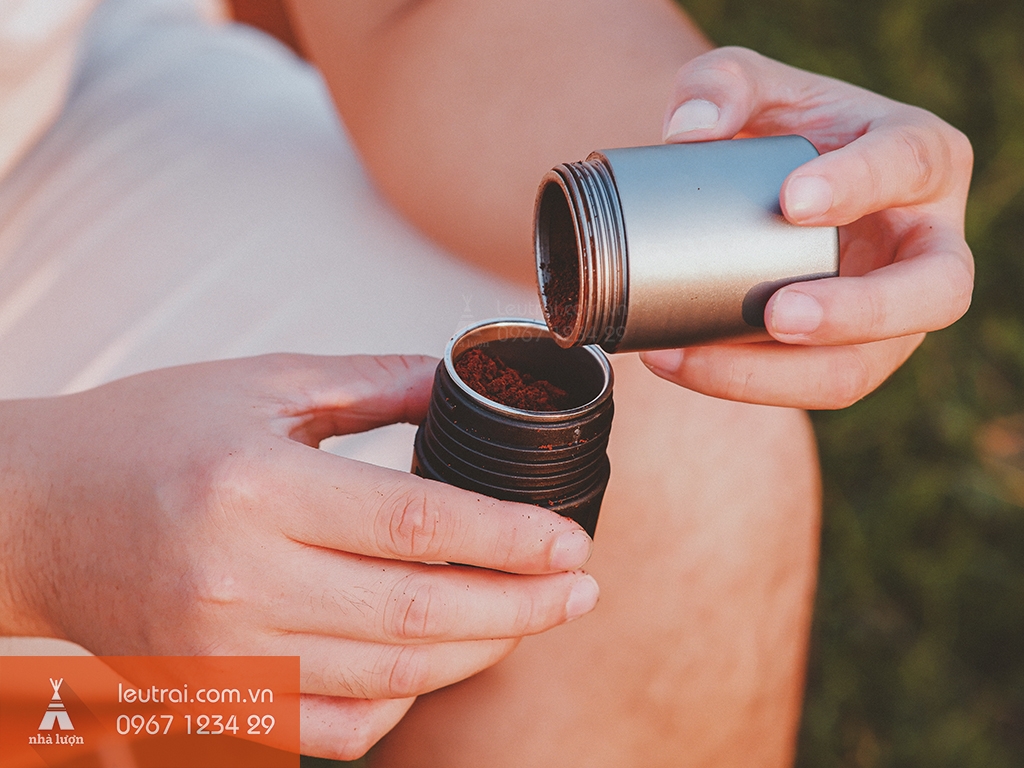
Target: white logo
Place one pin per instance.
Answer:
(55, 712)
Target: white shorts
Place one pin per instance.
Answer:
(197, 199)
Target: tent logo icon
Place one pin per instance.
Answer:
(56, 713)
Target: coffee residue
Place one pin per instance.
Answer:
(561, 293)
(489, 376)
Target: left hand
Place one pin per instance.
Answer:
(892, 177)
(187, 511)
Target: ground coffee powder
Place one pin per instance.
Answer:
(561, 283)
(489, 376)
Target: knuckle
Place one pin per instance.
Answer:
(728, 66)
(737, 55)
(961, 287)
(219, 494)
(733, 380)
(411, 525)
(852, 379)
(875, 314)
(526, 617)
(216, 584)
(869, 175)
(920, 156)
(406, 673)
(414, 610)
(961, 161)
(227, 484)
(281, 369)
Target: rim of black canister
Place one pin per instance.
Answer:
(557, 458)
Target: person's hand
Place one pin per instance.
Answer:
(187, 511)
(893, 177)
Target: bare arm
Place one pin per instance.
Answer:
(459, 106)
(186, 511)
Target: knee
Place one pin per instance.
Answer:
(709, 479)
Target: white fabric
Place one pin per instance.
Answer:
(197, 199)
(37, 55)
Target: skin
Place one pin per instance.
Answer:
(708, 534)
(137, 535)
(893, 178)
(475, 103)
(461, 97)
(706, 552)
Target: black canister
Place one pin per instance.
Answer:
(551, 458)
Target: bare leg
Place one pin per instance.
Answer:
(706, 554)
(706, 549)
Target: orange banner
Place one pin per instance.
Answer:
(149, 711)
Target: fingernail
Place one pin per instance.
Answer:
(663, 360)
(570, 550)
(794, 313)
(583, 598)
(808, 196)
(692, 115)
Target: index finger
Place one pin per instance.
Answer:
(926, 288)
(913, 160)
(877, 153)
(365, 509)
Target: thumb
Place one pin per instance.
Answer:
(876, 153)
(342, 395)
(715, 95)
(734, 90)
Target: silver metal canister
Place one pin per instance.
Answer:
(672, 245)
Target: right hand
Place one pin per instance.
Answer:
(894, 179)
(187, 511)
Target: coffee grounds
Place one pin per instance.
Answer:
(561, 284)
(560, 290)
(489, 376)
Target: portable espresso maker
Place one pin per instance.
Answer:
(672, 245)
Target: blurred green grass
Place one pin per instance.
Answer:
(917, 654)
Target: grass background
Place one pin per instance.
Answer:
(917, 654)
(918, 641)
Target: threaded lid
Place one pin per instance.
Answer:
(580, 248)
(557, 459)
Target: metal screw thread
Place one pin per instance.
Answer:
(588, 189)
